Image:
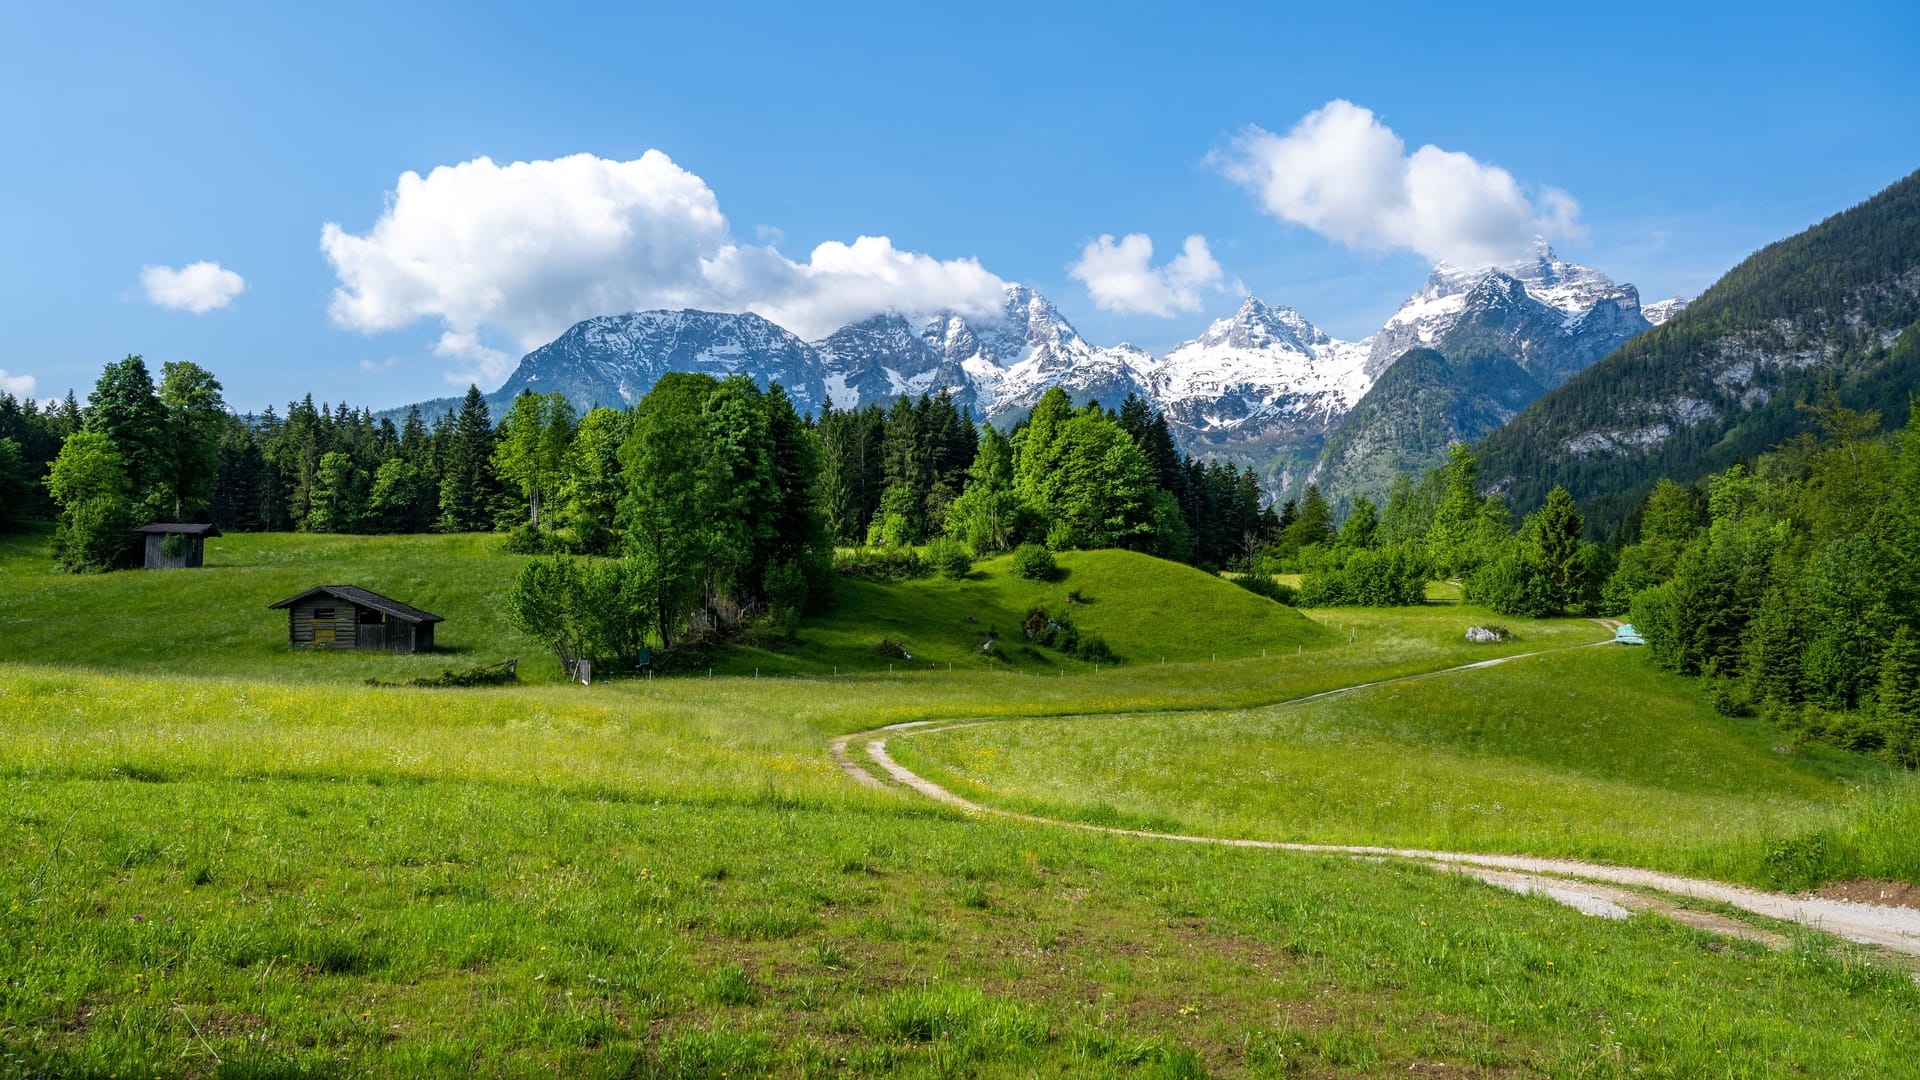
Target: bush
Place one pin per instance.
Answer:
(890, 531)
(528, 539)
(1035, 563)
(1042, 627)
(1093, 648)
(881, 564)
(1264, 585)
(1512, 585)
(950, 558)
(1389, 577)
(95, 535)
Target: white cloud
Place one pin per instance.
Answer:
(1347, 176)
(1120, 276)
(514, 254)
(20, 386)
(197, 287)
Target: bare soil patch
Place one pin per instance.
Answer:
(1870, 891)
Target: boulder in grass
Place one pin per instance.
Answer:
(1488, 635)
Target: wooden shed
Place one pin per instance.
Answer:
(349, 617)
(175, 546)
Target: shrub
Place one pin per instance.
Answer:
(1042, 627)
(1261, 584)
(881, 564)
(1389, 577)
(1035, 563)
(528, 539)
(950, 558)
(1512, 584)
(97, 535)
(1094, 648)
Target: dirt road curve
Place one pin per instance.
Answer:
(1593, 888)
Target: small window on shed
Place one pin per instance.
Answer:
(370, 617)
(323, 613)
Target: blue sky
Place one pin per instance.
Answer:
(1014, 135)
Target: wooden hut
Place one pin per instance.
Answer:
(349, 617)
(175, 546)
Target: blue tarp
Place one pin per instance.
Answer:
(1627, 635)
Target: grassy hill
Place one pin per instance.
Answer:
(1146, 609)
(215, 621)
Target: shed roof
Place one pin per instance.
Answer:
(178, 527)
(353, 594)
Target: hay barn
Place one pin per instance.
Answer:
(175, 546)
(349, 617)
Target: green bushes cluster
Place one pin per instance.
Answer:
(1042, 627)
(881, 564)
(949, 558)
(1035, 563)
(1388, 577)
(1264, 584)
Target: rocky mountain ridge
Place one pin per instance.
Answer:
(1263, 387)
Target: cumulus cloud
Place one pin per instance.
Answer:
(20, 386)
(514, 254)
(1347, 176)
(197, 287)
(1121, 276)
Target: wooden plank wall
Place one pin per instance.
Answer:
(302, 625)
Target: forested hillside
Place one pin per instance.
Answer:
(1834, 307)
(1419, 407)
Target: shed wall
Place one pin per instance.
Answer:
(306, 631)
(191, 554)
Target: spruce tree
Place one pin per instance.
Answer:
(1899, 697)
(1554, 533)
(465, 494)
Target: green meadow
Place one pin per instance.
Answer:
(222, 858)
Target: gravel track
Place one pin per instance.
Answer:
(1594, 889)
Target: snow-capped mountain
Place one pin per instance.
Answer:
(1262, 387)
(1428, 314)
(883, 357)
(1030, 348)
(1662, 310)
(615, 359)
(1497, 347)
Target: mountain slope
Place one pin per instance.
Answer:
(1263, 386)
(615, 359)
(1012, 359)
(1500, 344)
(1837, 305)
(882, 358)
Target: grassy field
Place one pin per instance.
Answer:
(220, 858)
(1592, 753)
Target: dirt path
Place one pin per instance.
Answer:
(1592, 888)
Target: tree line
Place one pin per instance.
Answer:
(1792, 583)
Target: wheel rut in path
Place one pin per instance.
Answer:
(1592, 888)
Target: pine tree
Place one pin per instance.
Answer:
(465, 492)
(1554, 533)
(1313, 521)
(1361, 530)
(1899, 697)
(1777, 645)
